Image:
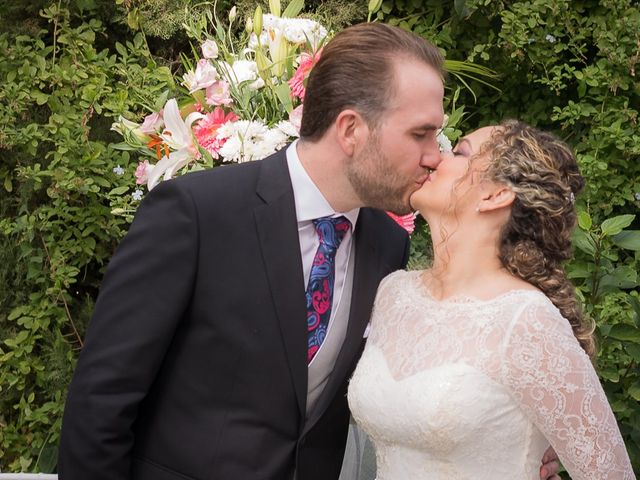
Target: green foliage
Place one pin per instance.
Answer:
(162, 18)
(333, 14)
(57, 231)
(605, 272)
(569, 67)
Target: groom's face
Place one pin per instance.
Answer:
(398, 154)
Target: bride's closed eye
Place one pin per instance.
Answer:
(462, 148)
(459, 152)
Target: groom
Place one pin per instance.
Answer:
(198, 363)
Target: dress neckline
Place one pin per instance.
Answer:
(463, 299)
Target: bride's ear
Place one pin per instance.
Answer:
(496, 198)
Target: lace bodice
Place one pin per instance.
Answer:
(466, 388)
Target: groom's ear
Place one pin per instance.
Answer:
(496, 197)
(351, 131)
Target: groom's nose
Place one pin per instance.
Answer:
(431, 158)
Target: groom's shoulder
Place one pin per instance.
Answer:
(229, 176)
(232, 179)
(389, 240)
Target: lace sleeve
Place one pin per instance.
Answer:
(556, 385)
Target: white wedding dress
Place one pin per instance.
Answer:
(473, 389)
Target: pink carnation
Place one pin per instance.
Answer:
(296, 83)
(206, 131)
(405, 221)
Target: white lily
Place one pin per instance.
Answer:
(278, 50)
(178, 136)
(242, 71)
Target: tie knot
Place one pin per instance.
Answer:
(331, 230)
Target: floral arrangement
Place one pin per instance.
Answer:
(241, 98)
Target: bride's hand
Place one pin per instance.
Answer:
(550, 465)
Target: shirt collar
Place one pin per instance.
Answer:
(310, 202)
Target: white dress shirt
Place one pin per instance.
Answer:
(311, 204)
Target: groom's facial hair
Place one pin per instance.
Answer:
(376, 182)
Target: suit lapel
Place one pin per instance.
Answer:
(365, 283)
(278, 234)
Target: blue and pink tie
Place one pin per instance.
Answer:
(331, 231)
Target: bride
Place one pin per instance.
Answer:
(474, 366)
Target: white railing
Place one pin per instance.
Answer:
(28, 476)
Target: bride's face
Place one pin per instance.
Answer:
(456, 185)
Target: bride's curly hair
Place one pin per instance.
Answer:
(536, 240)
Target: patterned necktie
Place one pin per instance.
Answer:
(331, 231)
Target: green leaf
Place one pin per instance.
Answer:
(628, 239)
(622, 277)
(16, 312)
(122, 146)
(633, 349)
(8, 185)
(21, 336)
(636, 308)
(584, 241)
(455, 116)
(121, 49)
(461, 8)
(614, 225)
(284, 95)
(48, 458)
(580, 270)
(40, 97)
(584, 220)
(610, 374)
(133, 19)
(625, 332)
(634, 391)
(119, 190)
(294, 8)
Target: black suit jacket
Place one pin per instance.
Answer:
(194, 365)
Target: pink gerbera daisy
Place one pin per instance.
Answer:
(307, 61)
(206, 131)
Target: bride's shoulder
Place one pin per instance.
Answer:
(537, 313)
(393, 284)
(399, 277)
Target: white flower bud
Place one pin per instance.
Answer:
(210, 49)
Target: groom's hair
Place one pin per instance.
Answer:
(356, 70)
